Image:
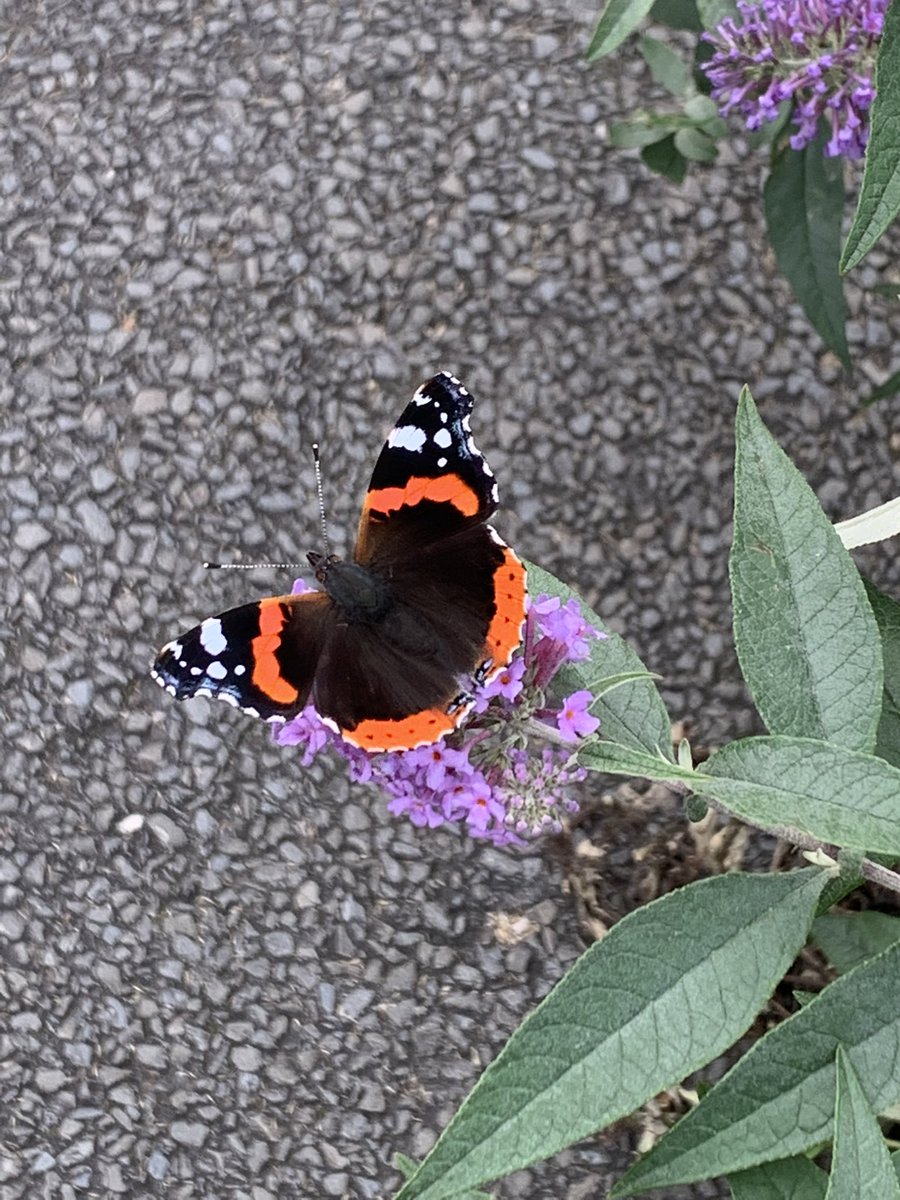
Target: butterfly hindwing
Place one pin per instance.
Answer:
(457, 613)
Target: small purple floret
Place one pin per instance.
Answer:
(478, 776)
(817, 53)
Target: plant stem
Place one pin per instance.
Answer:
(548, 733)
(873, 871)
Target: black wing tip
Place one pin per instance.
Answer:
(447, 387)
(448, 380)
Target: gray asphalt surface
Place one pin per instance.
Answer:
(229, 229)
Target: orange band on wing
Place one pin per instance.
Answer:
(445, 489)
(420, 729)
(505, 630)
(267, 675)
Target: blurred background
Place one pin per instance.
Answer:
(229, 229)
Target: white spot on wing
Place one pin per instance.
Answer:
(228, 698)
(407, 437)
(420, 397)
(175, 648)
(212, 639)
(196, 670)
(240, 669)
(251, 712)
(442, 462)
(443, 438)
(217, 670)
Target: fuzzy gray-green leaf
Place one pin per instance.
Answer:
(804, 203)
(805, 635)
(779, 1098)
(860, 1165)
(836, 795)
(879, 197)
(633, 715)
(669, 987)
(784, 1179)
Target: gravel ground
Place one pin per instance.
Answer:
(228, 229)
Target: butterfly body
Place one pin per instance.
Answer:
(360, 595)
(388, 649)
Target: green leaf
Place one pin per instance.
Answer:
(668, 69)
(887, 617)
(408, 1167)
(618, 19)
(803, 997)
(644, 130)
(669, 987)
(635, 715)
(891, 289)
(700, 108)
(890, 387)
(833, 794)
(849, 938)
(879, 197)
(778, 1100)
(860, 1164)
(714, 128)
(695, 145)
(677, 14)
(847, 880)
(714, 12)
(785, 1179)
(895, 1163)
(804, 632)
(703, 53)
(604, 686)
(664, 159)
(804, 202)
(617, 759)
(695, 808)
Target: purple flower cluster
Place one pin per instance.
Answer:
(484, 775)
(819, 54)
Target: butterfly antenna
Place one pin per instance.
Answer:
(229, 566)
(319, 493)
(274, 566)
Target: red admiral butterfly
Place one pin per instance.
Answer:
(432, 601)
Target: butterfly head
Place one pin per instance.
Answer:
(321, 564)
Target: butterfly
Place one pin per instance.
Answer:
(391, 648)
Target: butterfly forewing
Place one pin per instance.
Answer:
(259, 657)
(430, 479)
